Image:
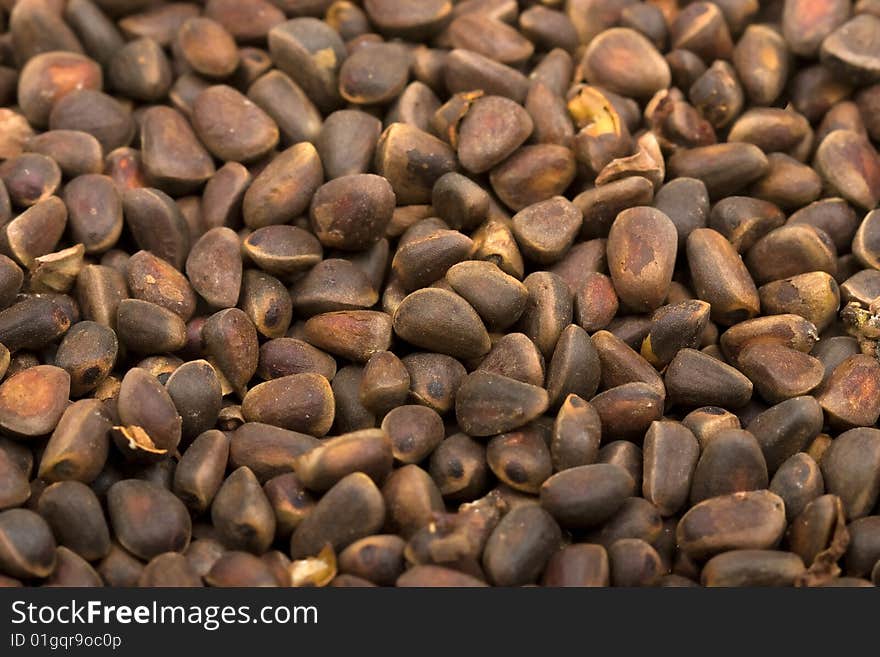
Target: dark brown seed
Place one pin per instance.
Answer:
(521, 459)
(436, 576)
(33, 400)
(231, 341)
(519, 548)
(377, 558)
(628, 456)
(154, 280)
(786, 429)
(148, 328)
(48, 77)
(850, 165)
(75, 152)
(78, 447)
(374, 73)
(290, 501)
(300, 402)
(466, 70)
(352, 334)
(368, 451)
(385, 384)
(670, 458)
(720, 277)
(753, 568)
(814, 296)
(170, 569)
(595, 302)
(232, 127)
(806, 24)
(796, 249)
(851, 51)
(761, 59)
(199, 473)
(28, 547)
(223, 194)
(207, 47)
(780, 372)
(585, 496)
(636, 518)
(140, 70)
(458, 466)
(601, 205)
(434, 379)
(548, 310)
(498, 298)
(75, 515)
(412, 161)
(850, 468)
(441, 321)
(282, 250)
(347, 142)
(577, 432)
(311, 53)
(30, 178)
(627, 410)
(72, 570)
(546, 230)
(196, 391)
(609, 59)
(268, 451)
(160, 23)
(14, 487)
(99, 291)
(286, 103)
(493, 128)
(864, 244)
(580, 565)
(798, 481)
(412, 500)
(788, 330)
(267, 303)
(219, 288)
(634, 563)
(731, 462)
(246, 21)
(88, 353)
(144, 403)
(459, 201)
(702, 29)
(574, 368)
(284, 188)
(724, 168)
(173, 158)
(415, 431)
(286, 356)
(148, 519)
(717, 94)
(518, 183)
(157, 224)
(675, 327)
(96, 113)
(706, 422)
(641, 257)
(240, 569)
(352, 212)
(864, 547)
(849, 396)
(352, 509)
(621, 364)
(488, 404)
(94, 210)
(819, 535)
(744, 520)
(242, 515)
